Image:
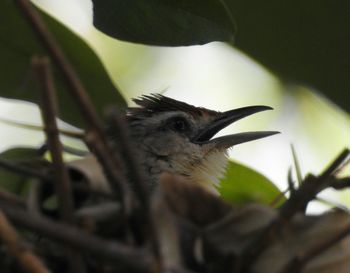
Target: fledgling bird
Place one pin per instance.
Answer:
(176, 137)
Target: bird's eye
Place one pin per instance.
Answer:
(179, 125)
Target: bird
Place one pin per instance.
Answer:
(173, 136)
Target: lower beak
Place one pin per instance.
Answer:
(223, 120)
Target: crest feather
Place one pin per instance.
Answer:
(157, 103)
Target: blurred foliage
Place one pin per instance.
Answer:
(18, 45)
(243, 185)
(303, 42)
(165, 22)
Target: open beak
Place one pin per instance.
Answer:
(225, 119)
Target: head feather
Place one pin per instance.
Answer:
(155, 103)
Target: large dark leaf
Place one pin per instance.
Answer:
(305, 42)
(164, 22)
(17, 46)
(243, 185)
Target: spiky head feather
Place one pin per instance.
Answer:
(155, 103)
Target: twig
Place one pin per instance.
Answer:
(300, 261)
(335, 165)
(278, 198)
(310, 188)
(65, 132)
(63, 187)
(119, 128)
(135, 260)
(66, 149)
(341, 183)
(74, 151)
(13, 199)
(46, 178)
(99, 212)
(22, 170)
(95, 137)
(307, 191)
(28, 261)
(33, 198)
(296, 165)
(332, 204)
(48, 108)
(112, 170)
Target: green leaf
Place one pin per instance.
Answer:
(165, 22)
(18, 44)
(10, 181)
(303, 42)
(242, 185)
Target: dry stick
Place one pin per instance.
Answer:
(28, 261)
(299, 262)
(133, 259)
(341, 183)
(22, 170)
(119, 126)
(39, 128)
(48, 108)
(310, 188)
(42, 177)
(96, 135)
(63, 187)
(13, 199)
(300, 197)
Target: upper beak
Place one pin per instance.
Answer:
(225, 119)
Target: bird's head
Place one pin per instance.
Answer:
(177, 137)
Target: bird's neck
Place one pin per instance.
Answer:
(209, 173)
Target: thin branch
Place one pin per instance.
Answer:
(332, 204)
(119, 128)
(310, 188)
(22, 170)
(341, 183)
(307, 191)
(75, 151)
(297, 165)
(68, 150)
(96, 136)
(48, 108)
(112, 170)
(300, 261)
(278, 198)
(64, 132)
(13, 199)
(28, 261)
(337, 164)
(49, 112)
(33, 198)
(135, 260)
(99, 212)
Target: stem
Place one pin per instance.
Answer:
(299, 262)
(28, 261)
(96, 132)
(49, 114)
(119, 127)
(61, 177)
(135, 260)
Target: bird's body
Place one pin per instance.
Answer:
(176, 137)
